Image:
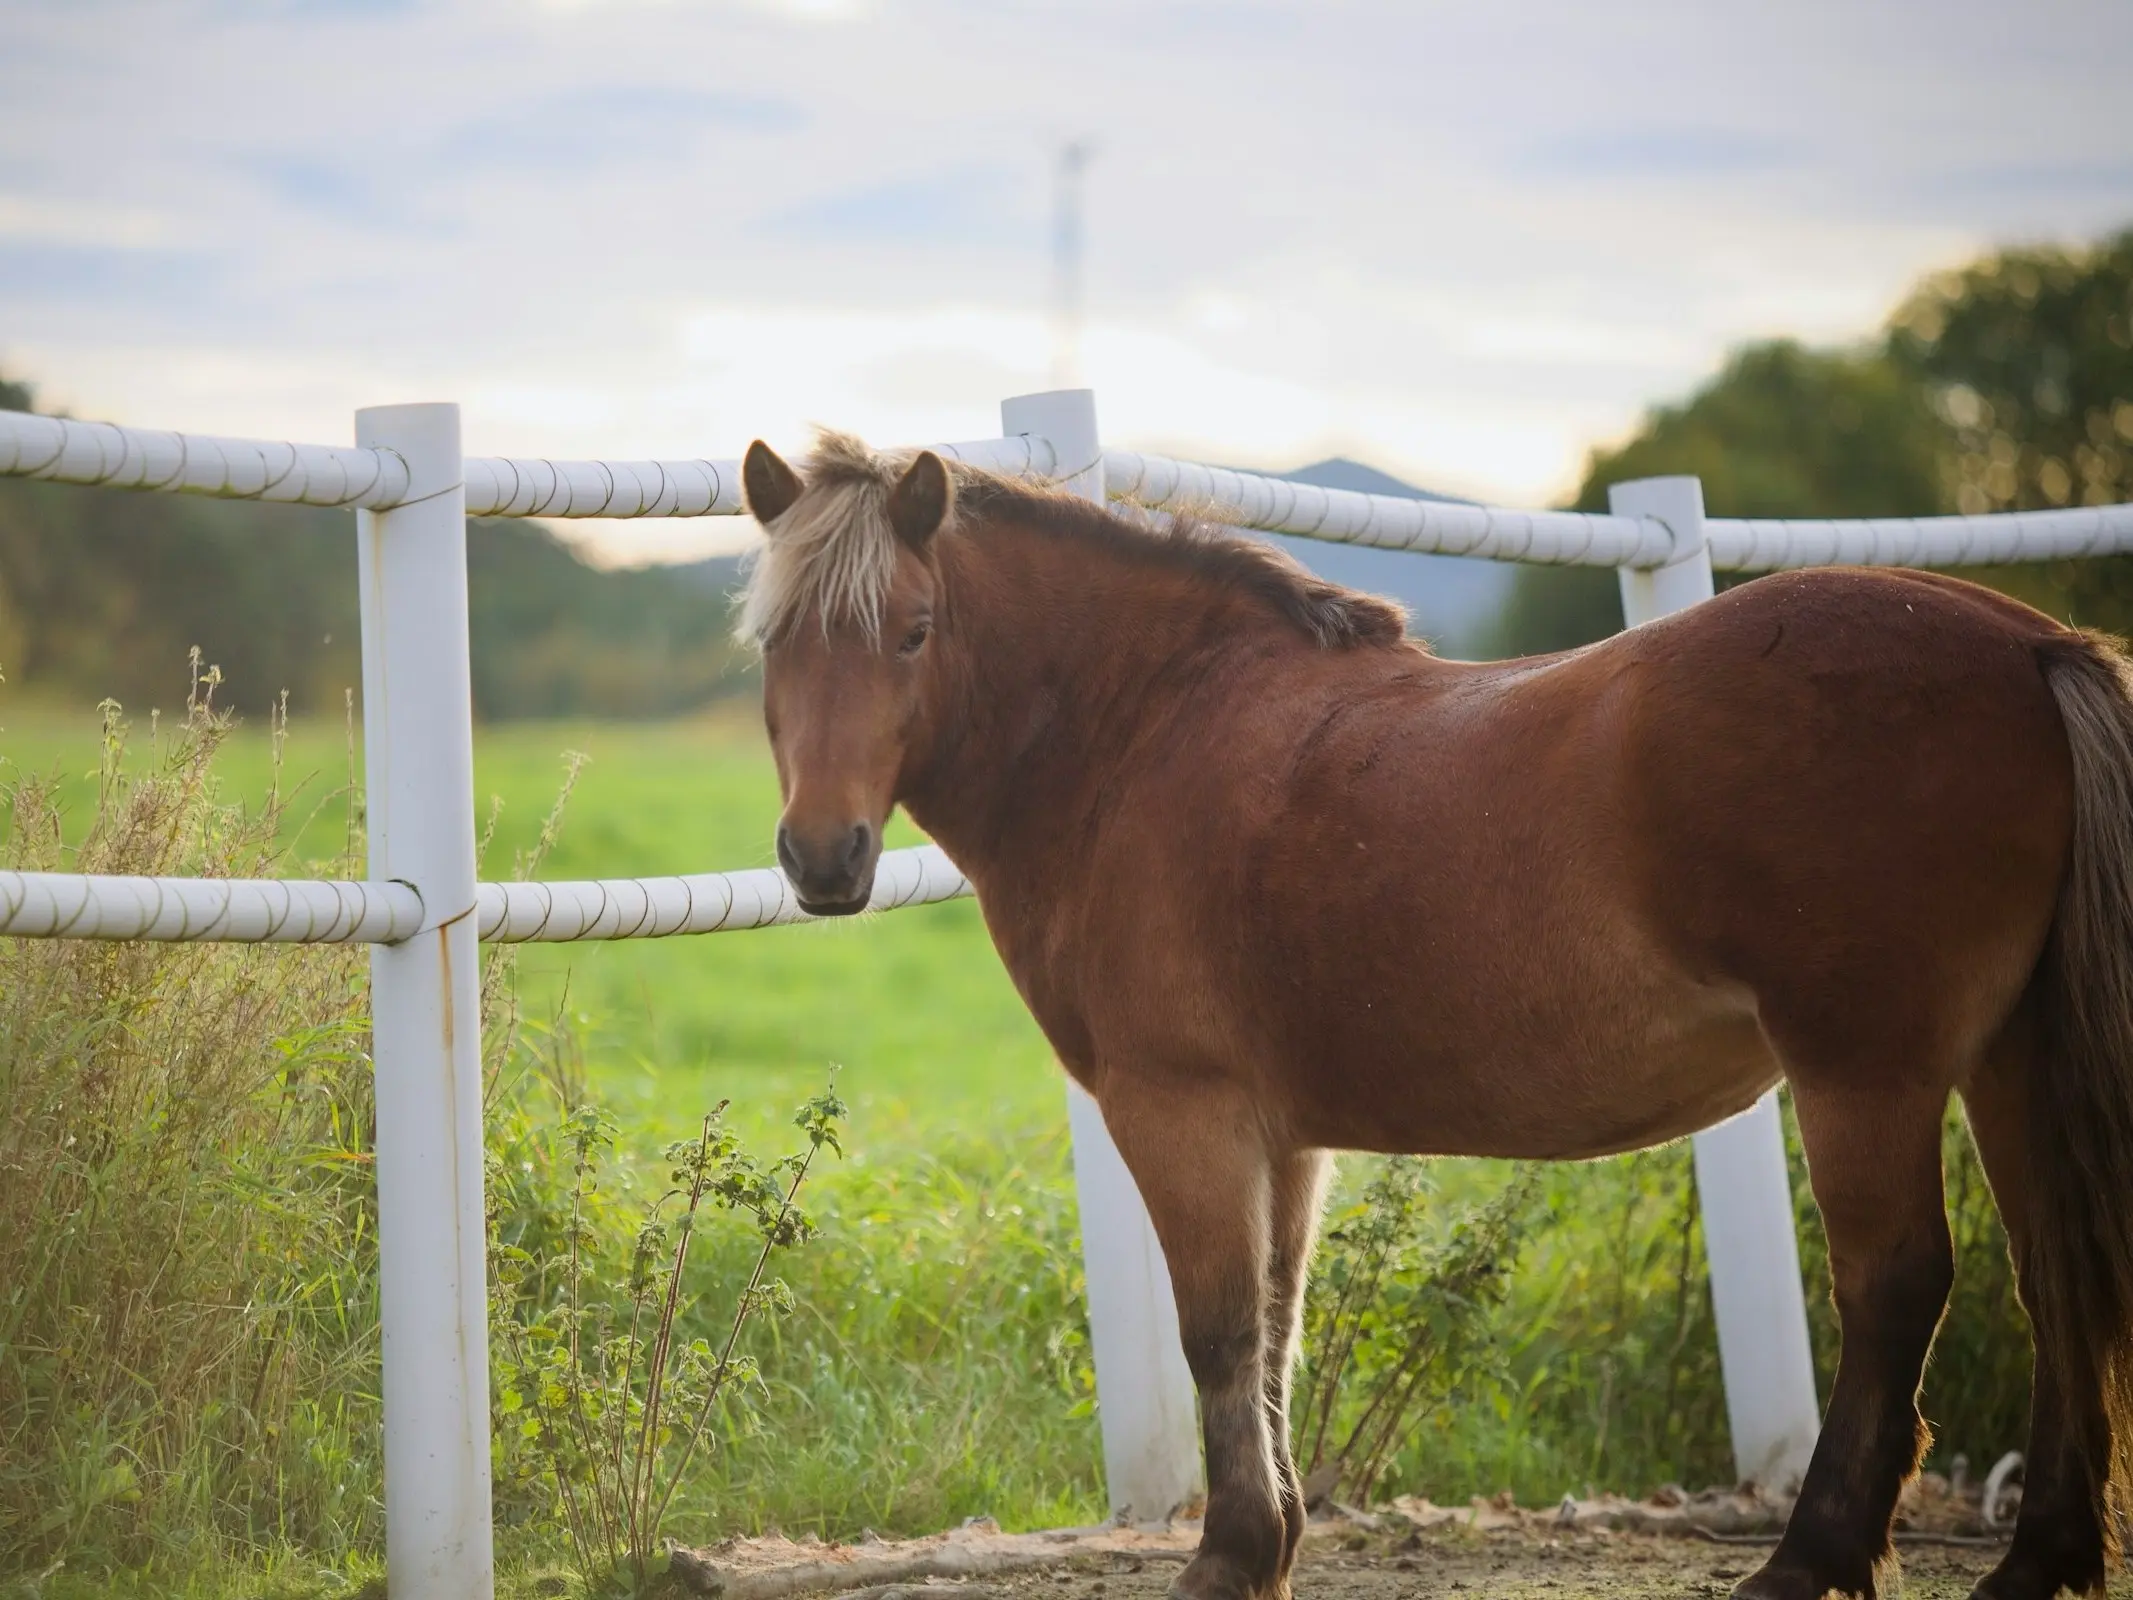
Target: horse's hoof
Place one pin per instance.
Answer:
(2020, 1576)
(1788, 1580)
(1211, 1576)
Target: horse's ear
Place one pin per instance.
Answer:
(769, 485)
(919, 503)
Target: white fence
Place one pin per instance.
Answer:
(422, 910)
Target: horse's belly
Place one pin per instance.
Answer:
(1642, 1070)
(1666, 1088)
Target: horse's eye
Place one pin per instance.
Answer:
(915, 640)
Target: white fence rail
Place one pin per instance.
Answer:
(67, 905)
(423, 910)
(70, 905)
(64, 451)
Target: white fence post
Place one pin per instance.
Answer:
(418, 754)
(1144, 1392)
(1741, 1179)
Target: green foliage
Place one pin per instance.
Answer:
(1976, 1394)
(1598, 1365)
(1612, 1350)
(1401, 1320)
(551, 636)
(2028, 355)
(1782, 431)
(102, 590)
(102, 593)
(1977, 1387)
(929, 1365)
(934, 1364)
(187, 1238)
(2005, 385)
(1555, 608)
(596, 1392)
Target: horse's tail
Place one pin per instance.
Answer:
(2080, 1223)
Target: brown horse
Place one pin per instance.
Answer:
(1275, 881)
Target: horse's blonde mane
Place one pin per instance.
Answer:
(833, 551)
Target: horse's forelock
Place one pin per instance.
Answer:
(833, 552)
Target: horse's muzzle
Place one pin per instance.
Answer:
(831, 875)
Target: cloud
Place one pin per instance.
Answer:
(970, 206)
(1600, 154)
(353, 8)
(800, 11)
(61, 220)
(586, 128)
(175, 283)
(367, 196)
(2112, 179)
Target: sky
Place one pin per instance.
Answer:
(1462, 241)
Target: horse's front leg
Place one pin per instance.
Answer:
(1197, 1153)
(1299, 1185)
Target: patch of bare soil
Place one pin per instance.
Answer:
(1670, 1545)
(1504, 1564)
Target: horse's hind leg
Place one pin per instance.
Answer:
(1298, 1187)
(2058, 1541)
(1197, 1154)
(1874, 1158)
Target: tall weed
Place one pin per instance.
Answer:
(1609, 1373)
(603, 1395)
(187, 1240)
(1402, 1320)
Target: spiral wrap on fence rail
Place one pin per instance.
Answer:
(61, 450)
(60, 905)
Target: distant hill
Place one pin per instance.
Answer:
(103, 592)
(1453, 601)
(716, 576)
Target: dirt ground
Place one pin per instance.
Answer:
(1604, 1548)
(1509, 1563)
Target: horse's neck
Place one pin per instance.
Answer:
(1064, 659)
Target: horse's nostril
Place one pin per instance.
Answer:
(825, 863)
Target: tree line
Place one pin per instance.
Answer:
(104, 592)
(2005, 385)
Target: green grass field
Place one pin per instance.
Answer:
(934, 1366)
(913, 1007)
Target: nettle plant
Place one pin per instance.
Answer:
(1401, 1320)
(603, 1396)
